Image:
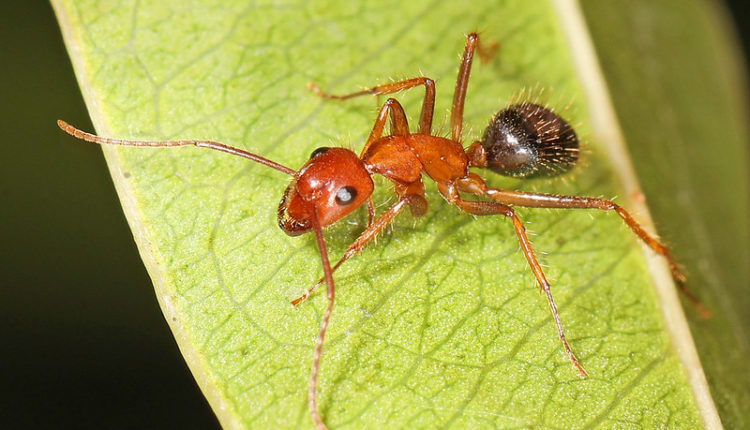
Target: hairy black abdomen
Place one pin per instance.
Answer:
(527, 139)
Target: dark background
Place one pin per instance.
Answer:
(83, 343)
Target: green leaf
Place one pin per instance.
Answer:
(440, 323)
(687, 129)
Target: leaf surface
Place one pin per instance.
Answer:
(687, 131)
(440, 323)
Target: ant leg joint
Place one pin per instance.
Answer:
(417, 205)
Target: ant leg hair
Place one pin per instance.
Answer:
(88, 137)
(399, 125)
(462, 82)
(328, 276)
(369, 234)
(428, 104)
(552, 201)
(493, 208)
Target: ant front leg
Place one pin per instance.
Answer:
(428, 104)
(493, 208)
(370, 211)
(400, 127)
(312, 399)
(369, 234)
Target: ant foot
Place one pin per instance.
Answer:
(296, 302)
(486, 51)
(312, 86)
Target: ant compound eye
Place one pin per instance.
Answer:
(318, 151)
(346, 195)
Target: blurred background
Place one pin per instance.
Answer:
(84, 343)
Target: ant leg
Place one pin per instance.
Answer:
(413, 194)
(370, 233)
(399, 125)
(486, 51)
(428, 104)
(462, 82)
(88, 137)
(312, 402)
(370, 211)
(493, 208)
(475, 185)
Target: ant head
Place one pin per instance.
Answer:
(332, 183)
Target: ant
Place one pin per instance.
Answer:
(522, 140)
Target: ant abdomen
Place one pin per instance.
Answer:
(524, 140)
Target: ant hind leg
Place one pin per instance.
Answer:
(494, 208)
(475, 185)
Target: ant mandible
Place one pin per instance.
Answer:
(522, 140)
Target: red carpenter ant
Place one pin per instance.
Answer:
(522, 140)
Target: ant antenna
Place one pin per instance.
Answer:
(88, 137)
